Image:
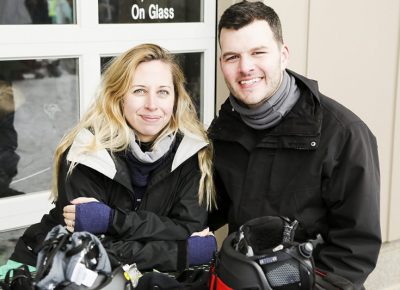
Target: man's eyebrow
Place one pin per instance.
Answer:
(262, 47)
(228, 53)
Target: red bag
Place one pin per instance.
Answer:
(216, 283)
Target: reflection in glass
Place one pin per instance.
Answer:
(191, 66)
(38, 104)
(150, 11)
(37, 12)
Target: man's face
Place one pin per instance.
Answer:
(252, 62)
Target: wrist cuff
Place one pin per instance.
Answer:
(201, 249)
(93, 217)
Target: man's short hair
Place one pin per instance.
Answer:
(244, 13)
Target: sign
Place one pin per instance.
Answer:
(150, 11)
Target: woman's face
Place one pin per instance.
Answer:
(149, 103)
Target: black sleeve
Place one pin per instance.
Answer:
(218, 217)
(82, 181)
(166, 256)
(353, 240)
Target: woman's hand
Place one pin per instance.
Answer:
(204, 233)
(70, 210)
(201, 247)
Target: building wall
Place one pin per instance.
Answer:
(352, 49)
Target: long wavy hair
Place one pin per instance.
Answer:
(105, 117)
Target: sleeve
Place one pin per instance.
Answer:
(218, 217)
(81, 182)
(184, 217)
(353, 239)
(166, 256)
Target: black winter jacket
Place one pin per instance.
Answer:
(319, 165)
(152, 236)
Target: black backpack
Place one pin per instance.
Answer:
(189, 279)
(18, 279)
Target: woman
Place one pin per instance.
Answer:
(136, 168)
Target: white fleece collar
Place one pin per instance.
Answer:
(102, 162)
(99, 160)
(189, 146)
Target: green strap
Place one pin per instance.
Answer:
(11, 264)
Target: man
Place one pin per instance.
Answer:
(8, 138)
(283, 148)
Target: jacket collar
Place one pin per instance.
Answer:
(299, 129)
(189, 146)
(103, 162)
(99, 160)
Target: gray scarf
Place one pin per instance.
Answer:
(159, 151)
(274, 109)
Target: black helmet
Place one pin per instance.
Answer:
(263, 255)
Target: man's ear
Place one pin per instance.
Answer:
(284, 56)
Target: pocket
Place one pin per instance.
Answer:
(309, 205)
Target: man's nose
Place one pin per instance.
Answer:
(246, 64)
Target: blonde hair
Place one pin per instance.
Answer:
(106, 120)
(6, 98)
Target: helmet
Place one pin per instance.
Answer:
(77, 261)
(252, 259)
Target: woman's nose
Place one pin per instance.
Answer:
(151, 102)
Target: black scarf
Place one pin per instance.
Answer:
(141, 170)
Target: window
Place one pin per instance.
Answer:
(57, 69)
(39, 102)
(37, 12)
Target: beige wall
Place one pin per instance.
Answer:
(352, 49)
